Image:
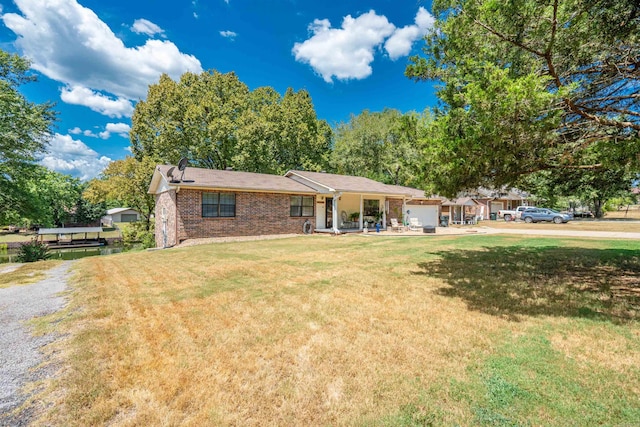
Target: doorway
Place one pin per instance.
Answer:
(329, 212)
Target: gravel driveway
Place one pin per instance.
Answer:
(20, 351)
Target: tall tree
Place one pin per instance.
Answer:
(529, 85)
(379, 145)
(24, 132)
(49, 198)
(126, 181)
(217, 122)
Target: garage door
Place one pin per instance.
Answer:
(427, 215)
(128, 217)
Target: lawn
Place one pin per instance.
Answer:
(355, 330)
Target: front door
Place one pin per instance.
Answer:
(329, 212)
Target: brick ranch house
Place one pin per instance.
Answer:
(221, 203)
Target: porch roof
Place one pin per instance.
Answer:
(328, 182)
(462, 201)
(70, 230)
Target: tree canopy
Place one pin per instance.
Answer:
(125, 182)
(379, 145)
(24, 132)
(217, 122)
(529, 85)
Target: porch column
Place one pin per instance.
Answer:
(385, 204)
(336, 218)
(404, 209)
(361, 220)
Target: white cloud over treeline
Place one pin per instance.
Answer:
(348, 52)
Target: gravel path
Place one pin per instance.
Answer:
(19, 350)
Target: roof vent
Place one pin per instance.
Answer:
(228, 168)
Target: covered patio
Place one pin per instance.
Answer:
(463, 210)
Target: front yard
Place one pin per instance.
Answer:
(355, 330)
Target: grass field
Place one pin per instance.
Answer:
(357, 331)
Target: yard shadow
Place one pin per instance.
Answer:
(543, 281)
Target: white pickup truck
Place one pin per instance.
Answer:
(511, 214)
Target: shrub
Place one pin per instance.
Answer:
(33, 251)
(136, 232)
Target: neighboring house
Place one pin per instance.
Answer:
(218, 203)
(119, 215)
(491, 201)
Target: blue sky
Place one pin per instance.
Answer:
(95, 59)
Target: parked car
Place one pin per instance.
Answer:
(541, 214)
(511, 214)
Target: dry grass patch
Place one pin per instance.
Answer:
(25, 274)
(314, 330)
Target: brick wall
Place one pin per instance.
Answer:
(395, 210)
(256, 214)
(167, 201)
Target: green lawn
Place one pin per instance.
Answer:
(356, 330)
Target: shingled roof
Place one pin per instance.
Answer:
(350, 184)
(229, 180)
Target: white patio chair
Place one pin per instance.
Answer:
(395, 226)
(414, 224)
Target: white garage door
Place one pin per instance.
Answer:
(428, 215)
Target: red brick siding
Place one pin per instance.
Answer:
(395, 210)
(256, 214)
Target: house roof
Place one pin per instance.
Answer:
(461, 201)
(416, 193)
(118, 210)
(349, 184)
(228, 180)
(503, 193)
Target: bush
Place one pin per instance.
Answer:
(136, 232)
(33, 251)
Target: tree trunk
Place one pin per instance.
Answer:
(597, 208)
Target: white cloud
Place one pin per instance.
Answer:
(120, 129)
(75, 131)
(70, 156)
(143, 26)
(78, 95)
(347, 52)
(70, 44)
(228, 34)
(401, 41)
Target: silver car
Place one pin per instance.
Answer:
(541, 214)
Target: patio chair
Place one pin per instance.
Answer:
(414, 224)
(395, 226)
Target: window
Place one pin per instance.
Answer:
(301, 206)
(216, 205)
